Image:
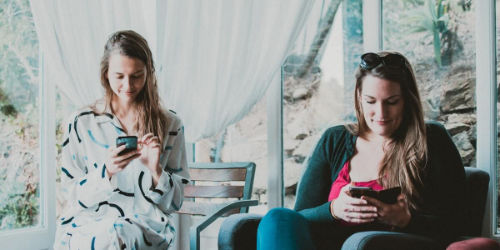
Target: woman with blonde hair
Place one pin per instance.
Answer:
(390, 147)
(121, 196)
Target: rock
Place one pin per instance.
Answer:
(457, 123)
(468, 118)
(301, 136)
(465, 147)
(455, 128)
(300, 93)
(459, 93)
(289, 146)
(307, 146)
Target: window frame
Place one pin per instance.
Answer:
(42, 235)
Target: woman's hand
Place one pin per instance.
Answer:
(353, 210)
(116, 163)
(397, 214)
(150, 149)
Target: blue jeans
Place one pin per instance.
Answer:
(283, 228)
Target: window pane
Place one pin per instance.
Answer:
(324, 97)
(443, 56)
(241, 142)
(244, 141)
(19, 117)
(442, 52)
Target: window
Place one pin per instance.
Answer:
(439, 42)
(26, 142)
(324, 97)
(19, 118)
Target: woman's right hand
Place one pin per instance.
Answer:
(353, 210)
(116, 163)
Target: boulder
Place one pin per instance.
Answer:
(300, 93)
(465, 147)
(458, 93)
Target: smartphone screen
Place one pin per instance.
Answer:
(129, 141)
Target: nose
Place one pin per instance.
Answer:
(126, 83)
(380, 110)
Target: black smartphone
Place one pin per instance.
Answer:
(388, 196)
(129, 141)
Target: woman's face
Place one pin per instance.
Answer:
(382, 103)
(126, 76)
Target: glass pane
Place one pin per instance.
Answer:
(243, 141)
(19, 117)
(323, 97)
(439, 41)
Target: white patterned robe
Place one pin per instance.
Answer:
(125, 212)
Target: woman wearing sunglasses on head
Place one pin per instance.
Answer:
(390, 146)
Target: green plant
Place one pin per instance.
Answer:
(434, 18)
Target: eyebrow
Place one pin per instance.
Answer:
(135, 73)
(390, 97)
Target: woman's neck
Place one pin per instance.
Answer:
(121, 108)
(375, 139)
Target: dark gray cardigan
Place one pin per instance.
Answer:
(441, 209)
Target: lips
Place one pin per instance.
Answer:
(382, 122)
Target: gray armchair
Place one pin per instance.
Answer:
(239, 231)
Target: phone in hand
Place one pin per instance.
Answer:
(388, 196)
(129, 141)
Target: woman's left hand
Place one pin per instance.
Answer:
(397, 214)
(150, 155)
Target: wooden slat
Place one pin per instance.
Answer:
(191, 191)
(197, 208)
(217, 174)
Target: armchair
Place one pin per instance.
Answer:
(239, 232)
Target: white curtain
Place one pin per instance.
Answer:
(215, 59)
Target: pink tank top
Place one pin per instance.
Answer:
(343, 179)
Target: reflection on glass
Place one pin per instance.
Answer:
(19, 117)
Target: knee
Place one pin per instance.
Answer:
(282, 217)
(280, 214)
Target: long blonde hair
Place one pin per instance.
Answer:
(406, 153)
(150, 117)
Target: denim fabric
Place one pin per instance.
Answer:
(283, 228)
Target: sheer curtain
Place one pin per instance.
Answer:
(215, 59)
(72, 36)
(219, 58)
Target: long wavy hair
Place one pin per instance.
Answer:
(406, 153)
(150, 116)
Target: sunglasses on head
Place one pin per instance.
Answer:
(372, 60)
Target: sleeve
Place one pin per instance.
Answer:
(169, 192)
(82, 186)
(442, 207)
(315, 184)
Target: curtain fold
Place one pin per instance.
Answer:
(214, 59)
